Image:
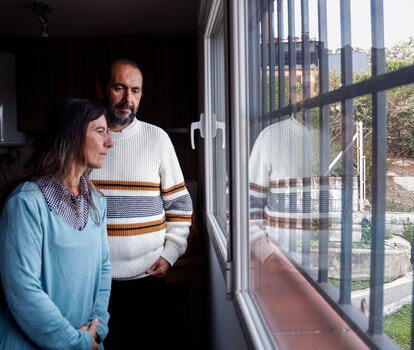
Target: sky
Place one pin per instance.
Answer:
(398, 22)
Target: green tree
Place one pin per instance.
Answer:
(400, 55)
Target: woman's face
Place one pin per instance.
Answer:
(97, 142)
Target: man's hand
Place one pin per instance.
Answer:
(160, 268)
(92, 329)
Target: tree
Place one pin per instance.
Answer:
(401, 54)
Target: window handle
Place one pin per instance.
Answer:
(222, 126)
(200, 125)
(217, 125)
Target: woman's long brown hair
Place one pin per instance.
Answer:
(60, 144)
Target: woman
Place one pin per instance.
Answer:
(54, 260)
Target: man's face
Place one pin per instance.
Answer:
(123, 94)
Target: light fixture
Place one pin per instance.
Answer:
(41, 10)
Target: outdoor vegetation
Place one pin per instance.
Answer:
(398, 327)
(408, 231)
(400, 106)
(355, 285)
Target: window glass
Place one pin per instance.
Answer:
(330, 208)
(218, 126)
(398, 34)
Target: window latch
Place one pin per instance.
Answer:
(217, 125)
(200, 125)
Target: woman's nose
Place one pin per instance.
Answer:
(108, 142)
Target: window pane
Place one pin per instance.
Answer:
(220, 151)
(399, 34)
(331, 208)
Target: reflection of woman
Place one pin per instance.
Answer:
(54, 260)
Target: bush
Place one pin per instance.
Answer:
(365, 231)
(408, 230)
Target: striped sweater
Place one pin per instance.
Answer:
(149, 207)
(279, 192)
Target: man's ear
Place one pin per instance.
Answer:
(99, 90)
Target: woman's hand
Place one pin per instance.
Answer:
(92, 329)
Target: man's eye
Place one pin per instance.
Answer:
(118, 88)
(136, 91)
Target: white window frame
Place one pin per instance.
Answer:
(216, 233)
(253, 322)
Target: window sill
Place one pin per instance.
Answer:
(297, 315)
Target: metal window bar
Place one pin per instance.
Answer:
(348, 157)
(292, 51)
(282, 208)
(379, 158)
(324, 137)
(281, 55)
(293, 198)
(292, 99)
(264, 10)
(254, 71)
(281, 102)
(272, 59)
(375, 86)
(307, 142)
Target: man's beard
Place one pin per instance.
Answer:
(116, 118)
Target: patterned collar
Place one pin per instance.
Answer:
(74, 210)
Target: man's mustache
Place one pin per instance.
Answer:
(125, 106)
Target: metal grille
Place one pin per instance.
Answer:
(274, 96)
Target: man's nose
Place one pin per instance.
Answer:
(128, 95)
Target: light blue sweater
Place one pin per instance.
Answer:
(55, 278)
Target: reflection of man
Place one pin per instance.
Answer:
(149, 211)
(275, 176)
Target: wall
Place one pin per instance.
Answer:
(396, 262)
(49, 69)
(225, 326)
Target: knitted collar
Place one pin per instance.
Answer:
(74, 210)
(128, 131)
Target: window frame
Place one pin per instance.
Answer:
(258, 334)
(219, 239)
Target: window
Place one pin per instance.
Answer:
(317, 190)
(217, 150)
(218, 119)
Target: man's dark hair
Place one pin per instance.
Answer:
(105, 72)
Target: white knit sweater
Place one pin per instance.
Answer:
(149, 207)
(277, 185)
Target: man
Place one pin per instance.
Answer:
(149, 211)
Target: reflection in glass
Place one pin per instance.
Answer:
(317, 178)
(218, 115)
